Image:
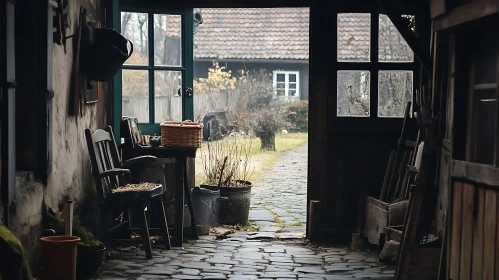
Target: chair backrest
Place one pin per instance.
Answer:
(130, 131)
(103, 156)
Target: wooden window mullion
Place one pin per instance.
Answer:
(374, 66)
(496, 146)
(150, 48)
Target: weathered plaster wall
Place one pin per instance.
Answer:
(70, 177)
(26, 213)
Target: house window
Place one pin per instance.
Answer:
(152, 76)
(287, 83)
(372, 71)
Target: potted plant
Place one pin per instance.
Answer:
(226, 166)
(90, 252)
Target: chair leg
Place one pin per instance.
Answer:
(145, 230)
(105, 219)
(166, 233)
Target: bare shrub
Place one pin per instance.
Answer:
(227, 161)
(265, 123)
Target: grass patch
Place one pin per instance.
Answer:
(296, 224)
(260, 160)
(248, 227)
(278, 220)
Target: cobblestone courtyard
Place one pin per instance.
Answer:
(279, 200)
(275, 252)
(241, 257)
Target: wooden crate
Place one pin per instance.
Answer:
(394, 233)
(380, 215)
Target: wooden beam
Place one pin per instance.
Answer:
(412, 40)
(437, 8)
(476, 173)
(467, 13)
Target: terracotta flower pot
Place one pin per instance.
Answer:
(59, 257)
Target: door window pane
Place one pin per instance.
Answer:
(391, 45)
(394, 91)
(354, 37)
(353, 94)
(135, 90)
(167, 40)
(134, 28)
(167, 101)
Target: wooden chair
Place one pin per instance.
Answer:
(109, 173)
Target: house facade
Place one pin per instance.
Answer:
(276, 40)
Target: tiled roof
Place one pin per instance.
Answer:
(283, 33)
(279, 33)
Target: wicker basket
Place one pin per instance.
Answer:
(186, 134)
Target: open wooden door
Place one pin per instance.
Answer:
(473, 217)
(372, 78)
(156, 82)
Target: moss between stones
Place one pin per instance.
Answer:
(15, 265)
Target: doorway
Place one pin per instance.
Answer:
(251, 72)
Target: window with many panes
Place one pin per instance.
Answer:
(357, 89)
(287, 83)
(152, 76)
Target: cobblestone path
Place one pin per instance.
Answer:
(241, 257)
(279, 200)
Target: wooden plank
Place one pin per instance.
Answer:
(467, 231)
(467, 13)
(497, 237)
(319, 79)
(485, 86)
(376, 221)
(496, 146)
(455, 234)
(476, 173)
(398, 154)
(377, 203)
(386, 180)
(476, 266)
(437, 8)
(489, 235)
(412, 40)
(471, 117)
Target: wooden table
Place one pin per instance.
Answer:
(181, 186)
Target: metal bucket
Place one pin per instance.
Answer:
(205, 205)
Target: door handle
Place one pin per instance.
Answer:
(189, 92)
(179, 92)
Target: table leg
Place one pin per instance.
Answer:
(179, 203)
(189, 202)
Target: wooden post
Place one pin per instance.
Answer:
(68, 218)
(314, 223)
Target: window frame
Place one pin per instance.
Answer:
(286, 82)
(373, 66)
(151, 67)
(151, 127)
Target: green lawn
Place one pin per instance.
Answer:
(260, 160)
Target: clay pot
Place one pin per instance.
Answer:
(59, 257)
